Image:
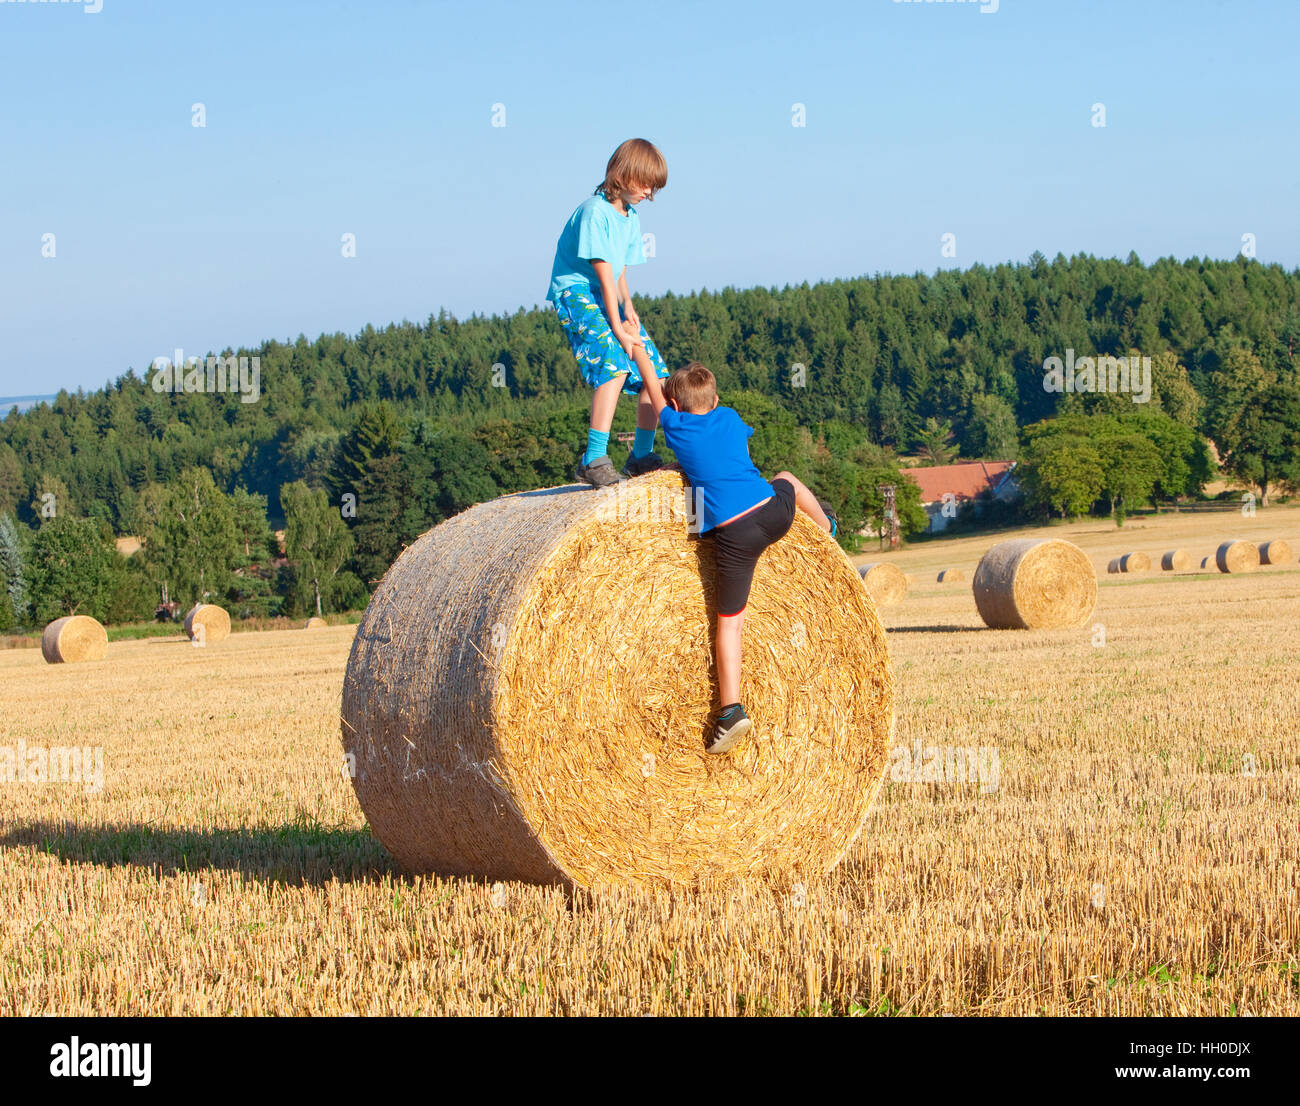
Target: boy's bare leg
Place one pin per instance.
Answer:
(806, 501)
(603, 401)
(727, 649)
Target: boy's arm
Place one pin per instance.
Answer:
(609, 293)
(652, 383)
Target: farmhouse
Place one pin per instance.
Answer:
(945, 487)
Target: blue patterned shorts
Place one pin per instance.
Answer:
(600, 357)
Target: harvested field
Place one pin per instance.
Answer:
(1138, 853)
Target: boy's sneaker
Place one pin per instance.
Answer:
(731, 726)
(830, 514)
(639, 466)
(599, 474)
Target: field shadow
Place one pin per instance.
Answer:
(935, 629)
(300, 853)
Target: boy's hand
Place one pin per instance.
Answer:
(630, 343)
(633, 320)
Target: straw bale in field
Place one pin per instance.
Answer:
(1176, 560)
(886, 582)
(1032, 584)
(1275, 552)
(529, 690)
(1237, 556)
(75, 638)
(207, 623)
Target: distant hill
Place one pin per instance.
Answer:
(23, 403)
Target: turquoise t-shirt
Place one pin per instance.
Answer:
(595, 230)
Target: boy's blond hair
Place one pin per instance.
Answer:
(692, 387)
(635, 162)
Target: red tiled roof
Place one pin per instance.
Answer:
(964, 481)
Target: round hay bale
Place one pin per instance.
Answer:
(1134, 562)
(528, 693)
(886, 583)
(315, 623)
(1237, 556)
(75, 638)
(1176, 560)
(1205, 562)
(1275, 552)
(207, 623)
(1114, 565)
(1033, 584)
(952, 576)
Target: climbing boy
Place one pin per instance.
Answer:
(739, 511)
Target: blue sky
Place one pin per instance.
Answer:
(375, 119)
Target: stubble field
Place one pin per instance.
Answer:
(1136, 850)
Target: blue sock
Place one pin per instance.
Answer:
(597, 445)
(644, 442)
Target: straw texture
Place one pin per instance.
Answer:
(315, 623)
(75, 638)
(1237, 556)
(1177, 560)
(952, 576)
(1275, 552)
(1031, 584)
(528, 693)
(886, 583)
(207, 623)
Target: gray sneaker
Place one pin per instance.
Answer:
(639, 466)
(599, 474)
(731, 726)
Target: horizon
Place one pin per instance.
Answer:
(844, 140)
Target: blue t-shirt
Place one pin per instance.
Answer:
(714, 453)
(595, 230)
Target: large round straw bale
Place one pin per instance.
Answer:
(1032, 584)
(1134, 562)
(1205, 562)
(1237, 556)
(952, 576)
(1275, 552)
(207, 623)
(75, 638)
(1176, 560)
(1114, 565)
(315, 623)
(529, 689)
(887, 583)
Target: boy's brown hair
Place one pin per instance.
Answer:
(636, 161)
(693, 388)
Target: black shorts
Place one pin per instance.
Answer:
(739, 544)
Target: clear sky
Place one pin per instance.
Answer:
(376, 119)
